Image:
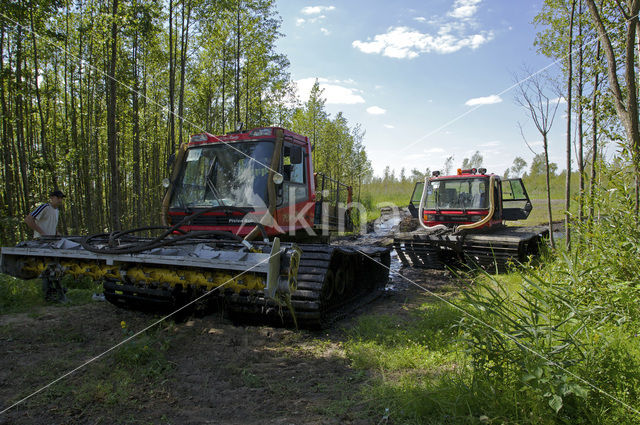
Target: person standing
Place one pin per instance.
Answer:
(44, 219)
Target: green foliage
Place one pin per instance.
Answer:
(529, 338)
(474, 162)
(377, 194)
(145, 352)
(387, 343)
(538, 166)
(338, 149)
(518, 166)
(559, 337)
(17, 295)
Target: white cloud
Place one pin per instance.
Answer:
(408, 43)
(464, 9)
(434, 150)
(490, 144)
(333, 93)
(415, 156)
(487, 100)
(560, 99)
(299, 21)
(325, 31)
(389, 126)
(314, 10)
(376, 110)
(455, 31)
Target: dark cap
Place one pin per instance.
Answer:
(57, 193)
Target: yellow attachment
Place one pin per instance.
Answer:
(34, 267)
(196, 278)
(154, 275)
(138, 274)
(165, 276)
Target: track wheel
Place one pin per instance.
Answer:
(328, 288)
(349, 276)
(341, 280)
(345, 278)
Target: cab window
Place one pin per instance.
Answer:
(294, 173)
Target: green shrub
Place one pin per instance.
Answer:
(18, 294)
(566, 336)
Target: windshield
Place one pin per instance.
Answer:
(217, 175)
(457, 194)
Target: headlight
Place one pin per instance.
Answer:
(166, 182)
(277, 178)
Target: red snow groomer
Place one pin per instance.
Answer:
(462, 219)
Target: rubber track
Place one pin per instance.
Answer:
(493, 254)
(311, 309)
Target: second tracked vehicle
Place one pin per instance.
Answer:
(462, 218)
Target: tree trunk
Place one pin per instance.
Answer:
(43, 135)
(224, 78)
(594, 140)
(21, 143)
(546, 163)
(172, 82)
(7, 142)
(237, 96)
(626, 109)
(184, 43)
(580, 131)
(112, 140)
(136, 210)
(567, 190)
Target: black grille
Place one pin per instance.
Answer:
(210, 220)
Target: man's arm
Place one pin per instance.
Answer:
(33, 224)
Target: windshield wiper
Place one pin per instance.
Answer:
(209, 182)
(183, 205)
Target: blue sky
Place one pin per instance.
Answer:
(409, 71)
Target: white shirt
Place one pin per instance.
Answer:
(47, 218)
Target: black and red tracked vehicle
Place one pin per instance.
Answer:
(244, 215)
(462, 222)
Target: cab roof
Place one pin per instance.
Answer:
(266, 133)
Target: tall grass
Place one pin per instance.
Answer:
(377, 194)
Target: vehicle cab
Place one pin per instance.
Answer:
(465, 199)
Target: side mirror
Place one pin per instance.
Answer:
(278, 179)
(296, 155)
(170, 160)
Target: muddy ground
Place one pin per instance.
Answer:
(205, 370)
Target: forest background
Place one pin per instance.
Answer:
(95, 95)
